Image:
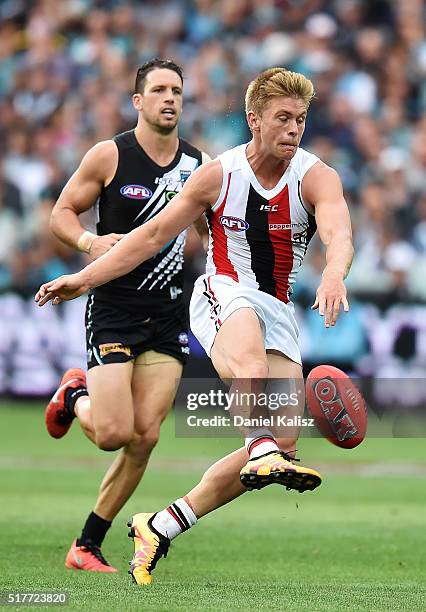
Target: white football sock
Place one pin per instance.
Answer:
(260, 442)
(174, 519)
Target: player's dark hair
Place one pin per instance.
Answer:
(152, 65)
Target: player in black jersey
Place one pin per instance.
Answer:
(136, 325)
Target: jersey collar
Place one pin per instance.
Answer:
(248, 171)
(147, 159)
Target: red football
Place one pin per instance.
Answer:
(337, 406)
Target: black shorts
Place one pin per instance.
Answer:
(118, 330)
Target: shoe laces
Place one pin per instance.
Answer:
(95, 551)
(288, 457)
(162, 548)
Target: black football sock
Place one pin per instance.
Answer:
(94, 530)
(71, 396)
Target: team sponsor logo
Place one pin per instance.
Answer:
(234, 223)
(114, 347)
(301, 237)
(165, 180)
(183, 338)
(136, 192)
(169, 195)
(269, 207)
(334, 410)
(287, 226)
(173, 180)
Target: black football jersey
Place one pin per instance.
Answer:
(139, 190)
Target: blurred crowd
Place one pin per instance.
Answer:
(67, 72)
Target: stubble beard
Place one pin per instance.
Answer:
(164, 130)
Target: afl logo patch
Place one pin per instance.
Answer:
(136, 192)
(234, 223)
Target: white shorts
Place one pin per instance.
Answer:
(216, 297)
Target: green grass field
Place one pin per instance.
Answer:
(357, 543)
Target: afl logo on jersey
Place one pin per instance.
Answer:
(234, 223)
(136, 192)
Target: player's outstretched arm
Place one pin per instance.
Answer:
(200, 191)
(80, 193)
(322, 188)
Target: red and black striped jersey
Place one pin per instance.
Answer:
(259, 236)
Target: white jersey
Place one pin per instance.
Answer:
(259, 236)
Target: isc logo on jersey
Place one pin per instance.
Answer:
(234, 223)
(136, 192)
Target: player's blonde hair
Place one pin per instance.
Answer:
(277, 82)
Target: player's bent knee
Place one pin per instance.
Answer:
(112, 439)
(143, 443)
(251, 368)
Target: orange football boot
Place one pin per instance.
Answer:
(149, 547)
(88, 557)
(58, 420)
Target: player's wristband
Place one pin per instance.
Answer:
(85, 241)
